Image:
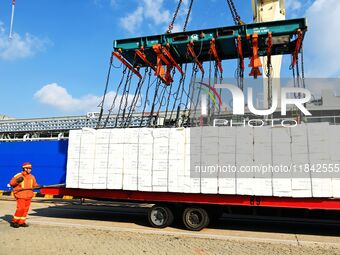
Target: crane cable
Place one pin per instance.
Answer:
(188, 15)
(179, 94)
(163, 97)
(302, 68)
(135, 99)
(115, 98)
(126, 88)
(193, 105)
(169, 98)
(171, 25)
(146, 97)
(234, 13)
(158, 84)
(101, 104)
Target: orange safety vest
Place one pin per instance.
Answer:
(29, 182)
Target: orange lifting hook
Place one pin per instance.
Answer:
(165, 57)
(255, 61)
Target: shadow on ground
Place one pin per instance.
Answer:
(7, 218)
(137, 214)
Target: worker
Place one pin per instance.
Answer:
(23, 184)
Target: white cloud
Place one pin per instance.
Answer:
(132, 21)
(58, 97)
(153, 13)
(153, 9)
(113, 3)
(293, 5)
(177, 28)
(322, 39)
(102, 3)
(20, 46)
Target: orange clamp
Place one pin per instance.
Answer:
(165, 76)
(167, 53)
(141, 54)
(164, 57)
(269, 46)
(194, 56)
(121, 59)
(255, 61)
(240, 52)
(213, 51)
(297, 47)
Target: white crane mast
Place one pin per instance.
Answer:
(12, 19)
(269, 10)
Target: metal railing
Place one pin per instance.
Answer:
(66, 123)
(58, 128)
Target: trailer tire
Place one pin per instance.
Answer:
(195, 218)
(160, 216)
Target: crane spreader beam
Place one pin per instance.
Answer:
(284, 35)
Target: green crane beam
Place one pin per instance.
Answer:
(284, 37)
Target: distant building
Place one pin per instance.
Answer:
(4, 117)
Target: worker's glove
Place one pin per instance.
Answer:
(20, 179)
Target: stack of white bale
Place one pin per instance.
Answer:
(209, 157)
(101, 157)
(334, 150)
(227, 157)
(244, 157)
(145, 159)
(193, 144)
(178, 160)
(319, 157)
(86, 159)
(160, 159)
(262, 183)
(301, 181)
(281, 153)
(115, 164)
(73, 159)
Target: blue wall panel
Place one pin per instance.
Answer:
(47, 157)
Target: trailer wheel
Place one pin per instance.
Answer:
(160, 216)
(195, 218)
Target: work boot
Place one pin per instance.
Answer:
(24, 225)
(14, 225)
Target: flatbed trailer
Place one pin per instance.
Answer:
(196, 210)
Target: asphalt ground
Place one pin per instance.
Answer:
(69, 227)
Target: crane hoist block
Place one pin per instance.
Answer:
(284, 37)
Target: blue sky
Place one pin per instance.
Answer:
(57, 61)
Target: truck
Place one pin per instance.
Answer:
(44, 142)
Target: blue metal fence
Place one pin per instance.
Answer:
(47, 157)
